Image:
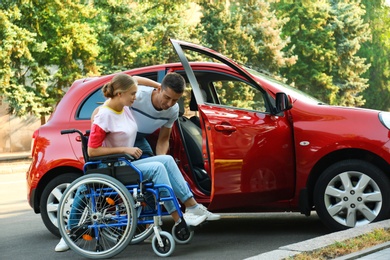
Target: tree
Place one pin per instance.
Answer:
(16, 60)
(156, 22)
(59, 47)
(246, 31)
(350, 32)
(377, 53)
(136, 33)
(326, 37)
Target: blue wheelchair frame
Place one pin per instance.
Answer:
(163, 243)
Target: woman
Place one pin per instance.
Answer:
(114, 131)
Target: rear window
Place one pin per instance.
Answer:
(90, 103)
(97, 98)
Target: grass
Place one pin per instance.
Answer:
(349, 246)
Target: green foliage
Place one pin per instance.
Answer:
(246, 31)
(16, 60)
(321, 47)
(326, 38)
(350, 31)
(378, 55)
(136, 33)
(52, 45)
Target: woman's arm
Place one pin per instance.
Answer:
(96, 148)
(100, 151)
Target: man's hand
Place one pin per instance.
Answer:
(162, 145)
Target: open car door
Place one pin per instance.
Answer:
(247, 148)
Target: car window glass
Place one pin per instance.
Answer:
(97, 98)
(239, 94)
(89, 105)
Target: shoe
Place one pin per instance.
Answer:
(201, 210)
(193, 220)
(61, 246)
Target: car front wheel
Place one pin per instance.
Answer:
(50, 200)
(352, 193)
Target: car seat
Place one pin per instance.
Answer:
(194, 107)
(192, 140)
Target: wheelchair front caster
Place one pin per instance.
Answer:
(182, 233)
(167, 245)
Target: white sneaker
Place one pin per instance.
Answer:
(61, 246)
(201, 210)
(193, 220)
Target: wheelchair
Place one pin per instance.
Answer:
(106, 209)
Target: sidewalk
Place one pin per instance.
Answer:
(379, 252)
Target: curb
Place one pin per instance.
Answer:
(14, 156)
(326, 240)
(14, 162)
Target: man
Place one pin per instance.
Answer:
(157, 108)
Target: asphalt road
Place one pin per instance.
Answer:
(235, 236)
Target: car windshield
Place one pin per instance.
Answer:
(293, 92)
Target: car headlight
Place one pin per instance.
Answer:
(384, 117)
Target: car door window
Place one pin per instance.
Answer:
(88, 106)
(239, 94)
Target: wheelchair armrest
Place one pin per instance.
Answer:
(112, 157)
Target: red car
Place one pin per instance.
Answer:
(253, 145)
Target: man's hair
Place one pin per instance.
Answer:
(174, 81)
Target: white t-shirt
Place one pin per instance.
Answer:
(120, 127)
(147, 117)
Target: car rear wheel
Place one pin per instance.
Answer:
(50, 200)
(352, 193)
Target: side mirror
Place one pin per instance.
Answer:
(282, 102)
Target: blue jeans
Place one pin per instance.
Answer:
(144, 145)
(77, 208)
(162, 169)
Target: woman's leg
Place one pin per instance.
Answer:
(158, 174)
(176, 179)
(180, 187)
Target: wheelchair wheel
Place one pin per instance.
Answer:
(181, 235)
(102, 219)
(145, 218)
(168, 244)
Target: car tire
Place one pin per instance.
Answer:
(351, 193)
(50, 200)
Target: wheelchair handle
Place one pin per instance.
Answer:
(71, 131)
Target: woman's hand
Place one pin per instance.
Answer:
(134, 151)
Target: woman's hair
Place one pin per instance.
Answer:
(119, 84)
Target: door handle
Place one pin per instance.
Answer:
(225, 128)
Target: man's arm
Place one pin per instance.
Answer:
(147, 82)
(163, 140)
